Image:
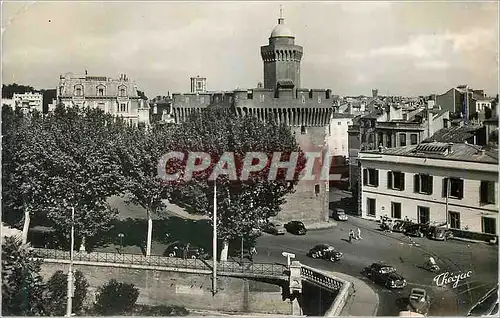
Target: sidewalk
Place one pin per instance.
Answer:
(363, 301)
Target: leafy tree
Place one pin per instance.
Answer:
(139, 152)
(27, 152)
(8, 91)
(85, 172)
(241, 205)
(23, 291)
(57, 293)
(116, 298)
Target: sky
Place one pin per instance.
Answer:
(400, 48)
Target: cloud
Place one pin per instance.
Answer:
(432, 65)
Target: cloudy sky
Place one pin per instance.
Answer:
(400, 48)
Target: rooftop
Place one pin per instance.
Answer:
(439, 150)
(457, 134)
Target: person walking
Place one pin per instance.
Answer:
(351, 235)
(358, 237)
(253, 251)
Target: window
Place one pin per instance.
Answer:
(123, 92)
(339, 123)
(316, 189)
(423, 214)
(456, 188)
(319, 100)
(303, 130)
(101, 106)
(303, 99)
(489, 225)
(487, 192)
(395, 210)
(413, 139)
(370, 177)
(199, 85)
(395, 180)
(422, 183)
(389, 141)
(454, 220)
(370, 207)
(202, 99)
(123, 107)
(402, 140)
(261, 98)
(100, 91)
(78, 91)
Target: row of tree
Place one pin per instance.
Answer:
(77, 158)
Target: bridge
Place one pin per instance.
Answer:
(292, 276)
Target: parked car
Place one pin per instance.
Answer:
(417, 230)
(275, 228)
(338, 214)
(387, 225)
(296, 227)
(178, 249)
(385, 275)
(487, 305)
(418, 301)
(400, 226)
(325, 251)
(440, 233)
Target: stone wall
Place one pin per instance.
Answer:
(189, 290)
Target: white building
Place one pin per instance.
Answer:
(337, 134)
(411, 182)
(116, 96)
(28, 101)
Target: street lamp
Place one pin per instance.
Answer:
(121, 235)
(70, 270)
(214, 242)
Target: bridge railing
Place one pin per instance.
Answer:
(265, 269)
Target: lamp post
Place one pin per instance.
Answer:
(121, 235)
(70, 270)
(214, 242)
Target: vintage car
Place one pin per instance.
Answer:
(386, 275)
(400, 226)
(417, 230)
(183, 250)
(439, 233)
(274, 228)
(296, 227)
(418, 301)
(325, 251)
(487, 305)
(338, 214)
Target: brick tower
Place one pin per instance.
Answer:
(281, 58)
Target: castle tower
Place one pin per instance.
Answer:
(281, 58)
(198, 84)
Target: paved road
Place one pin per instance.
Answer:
(397, 250)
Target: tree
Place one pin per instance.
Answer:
(27, 153)
(85, 172)
(241, 205)
(115, 298)
(23, 291)
(8, 91)
(139, 152)
(57, 293)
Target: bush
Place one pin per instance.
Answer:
(57, 288)
(116, 298)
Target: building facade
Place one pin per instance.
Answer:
(28, 101)
(306, 111)
(437, 183)
(118, 97)
(337, 134)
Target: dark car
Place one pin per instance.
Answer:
(487, 305)
(183, 250)
(325, 251)
(338, 214)
(418, 301)
(439, 233)
(296, 227)
(417, 230)
(385, 275)
(400, 226)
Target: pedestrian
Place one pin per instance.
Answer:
(253, 251)
(359, 234)
(351, 235)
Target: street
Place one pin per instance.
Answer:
(398, 251)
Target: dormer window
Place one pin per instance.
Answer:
(100, 91)
(122, 91)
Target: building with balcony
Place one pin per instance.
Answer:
(437, 183)
(117, 96)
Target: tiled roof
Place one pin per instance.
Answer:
(457, 134)
(436, 150)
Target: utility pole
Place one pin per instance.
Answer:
(214, 242)
(69, 308)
